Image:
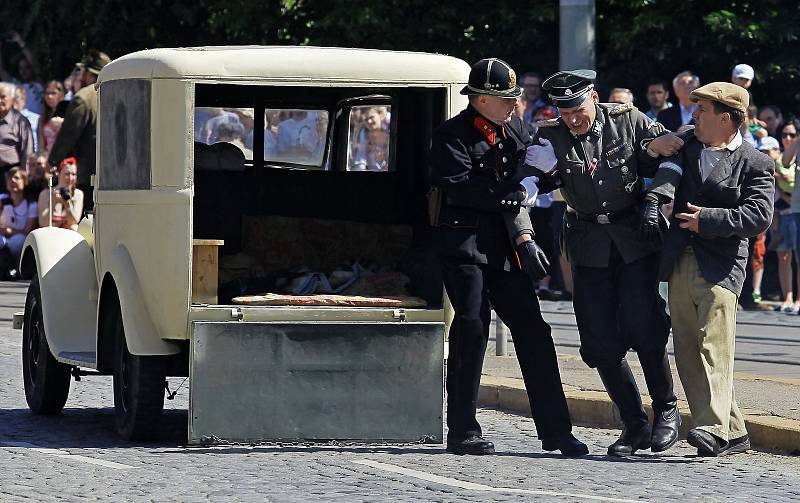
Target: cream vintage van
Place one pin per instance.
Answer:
(260, 226)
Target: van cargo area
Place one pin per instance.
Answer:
(343, 237)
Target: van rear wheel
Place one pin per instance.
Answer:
(138, 390)
(46, 380)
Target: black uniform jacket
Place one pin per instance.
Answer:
(474, 177)
(736, 198)
(601, 172)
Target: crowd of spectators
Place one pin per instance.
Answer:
(33, 114)
(49, 124)
(774, 268)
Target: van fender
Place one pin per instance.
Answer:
(141, 334)
(64, 263)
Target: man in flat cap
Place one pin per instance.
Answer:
(77, 136)
(599, 153)
(475, 160)
(724, 197)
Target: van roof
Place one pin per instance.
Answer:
(281, 63)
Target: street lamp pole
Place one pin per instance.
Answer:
(576, 34)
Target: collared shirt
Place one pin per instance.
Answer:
(16, 139)
(686, 113)
(710, 156)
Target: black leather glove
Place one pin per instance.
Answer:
(532, 259)
(512, 200)
(649, 215)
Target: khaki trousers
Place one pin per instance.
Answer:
(704, 333)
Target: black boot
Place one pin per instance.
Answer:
(621, 387)
(666, 417)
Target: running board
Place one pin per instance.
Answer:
(78, 358)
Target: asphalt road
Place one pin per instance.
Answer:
(76, 456)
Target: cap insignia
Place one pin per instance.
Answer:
(512, 78)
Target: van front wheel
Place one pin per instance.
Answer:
(138, 390)
(46, 379)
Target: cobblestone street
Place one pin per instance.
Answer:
(77, 457)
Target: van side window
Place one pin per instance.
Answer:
(225, 125)
(369, 138)
(295, 136)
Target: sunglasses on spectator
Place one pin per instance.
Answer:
(789, 135)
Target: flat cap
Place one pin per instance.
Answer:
(568, 89)
(724, 92)
(492, 77)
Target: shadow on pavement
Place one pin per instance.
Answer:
(84, 427)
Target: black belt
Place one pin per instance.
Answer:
(606, 218)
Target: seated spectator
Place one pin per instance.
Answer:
(50, 122)
(231, 132)
(39, 173)
(20, 102)
(218, 116)
(67, 200)
(17, 219)
(621, 95)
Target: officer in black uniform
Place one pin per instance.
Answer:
(475, 159)
(599, 153)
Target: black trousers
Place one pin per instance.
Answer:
(472, 289)
(618, 308)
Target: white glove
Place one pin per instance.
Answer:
(531, 188)
(542, 157)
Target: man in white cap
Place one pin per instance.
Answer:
(743, 75)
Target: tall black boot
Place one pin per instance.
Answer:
(666, 417)
(621, 387)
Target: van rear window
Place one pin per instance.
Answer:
(370, 132)
(294, 136)
(225, 125)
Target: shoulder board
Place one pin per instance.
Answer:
(619, 108)
(548, 122)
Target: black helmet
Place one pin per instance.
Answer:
(492, 77)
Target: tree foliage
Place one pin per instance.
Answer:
(636, 39)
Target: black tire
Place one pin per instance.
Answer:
(138, 389)
(46, 379)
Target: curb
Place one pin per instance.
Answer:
(596, 409)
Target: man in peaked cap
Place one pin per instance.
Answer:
(724, 198)
(598, 154)
(475, 159)
(78, 133)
